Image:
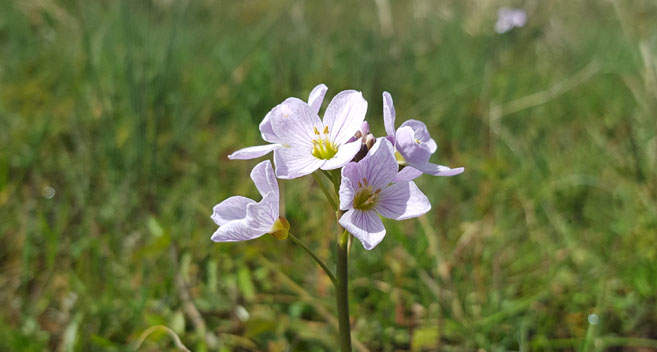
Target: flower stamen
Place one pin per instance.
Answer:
(323, 148)
(400, 159)
(366, 197)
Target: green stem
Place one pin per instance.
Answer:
(342, 292)
(330, 199)
(337, 179)
(328, 272)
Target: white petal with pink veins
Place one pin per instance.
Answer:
(264, 179)
(294, 123)
(253, 152)
(388, 114)
(402, 201)
(379, 166)
(295, 162)
(235, 231)
(364, 225)
(345, 154)
(233, 208)
(344, 115)
(316, 97)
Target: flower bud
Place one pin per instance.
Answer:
(361, 153)
(364, 130)
(280, 229)
(369, 141)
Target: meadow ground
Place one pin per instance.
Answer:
(116, 118)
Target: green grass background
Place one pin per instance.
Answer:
(128, 109)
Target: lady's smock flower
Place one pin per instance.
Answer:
(240, 218)
(315, 100)
(309, 143)
(371, 187)
(507, 19)
(413, 144)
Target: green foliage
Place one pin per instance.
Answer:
(127, 109)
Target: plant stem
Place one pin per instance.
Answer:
(328, 272)
(342, 269)
(342, 292)
(329, 198)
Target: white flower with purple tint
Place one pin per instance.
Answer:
(508, 18)
(308, 143)
(372, 187)
(413, 144)
(240, 218)
(315, 100)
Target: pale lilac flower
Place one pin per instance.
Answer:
(240, 218)
(413, 144)
(315, 100)
(371, 187)
(508, 18)
(309, 143)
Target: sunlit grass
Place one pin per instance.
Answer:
(128, 110)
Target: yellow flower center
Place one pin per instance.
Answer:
(323, 148)
(366, 196)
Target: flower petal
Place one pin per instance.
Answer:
(364, 225)
(264, 179)
(293, 122)
(346, 192)
(432, 145)
(352, 171)
(233, 208)
(379, 166)
(236, 231)
(407, 174)
(362, 132)
(388, 114)
(253, 152)
(344, 115)
(266, 130)
(421, 133)
(345, 154)
(316, 97)
(402, 201)
(262, 215)
(438, 170)
(412, 151)
(295, 162)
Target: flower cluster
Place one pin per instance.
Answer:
(376, 173)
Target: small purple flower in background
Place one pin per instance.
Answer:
(240, 218)
(413, 144)
(508, 18)
(309, 143)
(315, 100)
(371, 187)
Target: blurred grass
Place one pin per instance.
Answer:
(127, 109)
